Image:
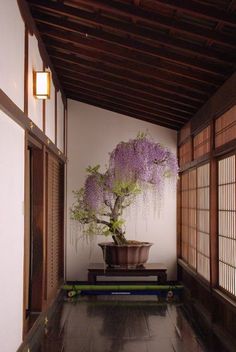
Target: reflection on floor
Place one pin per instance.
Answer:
(122, 324)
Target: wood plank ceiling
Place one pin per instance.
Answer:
(155, 60)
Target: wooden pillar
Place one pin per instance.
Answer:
(213, 214)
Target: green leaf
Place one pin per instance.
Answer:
(141, 135)
(117, 224)
(126, 188)
(93, 170)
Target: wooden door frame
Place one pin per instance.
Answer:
(37, 225)
(39, 221)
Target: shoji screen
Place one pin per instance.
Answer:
(201, 143)
(188, 217)
(225, 127)
(203, 219)
(227, 224)
(192, 217)
(55, 201)
(184, 216)
(185, 153)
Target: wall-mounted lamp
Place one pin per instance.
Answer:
(41, 84)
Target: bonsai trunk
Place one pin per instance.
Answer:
(118, 236)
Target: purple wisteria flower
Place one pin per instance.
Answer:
(93, 192)
(142, 160)
(133, 166)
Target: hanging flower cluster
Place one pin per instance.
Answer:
(143, 161)
(133, 165)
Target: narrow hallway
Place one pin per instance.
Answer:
(122, 324)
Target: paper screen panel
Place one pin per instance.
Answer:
(227, 224)
(184, 216)
(203, 220)
(192, 217)
(185, 132)
(225, 127)
(201, 143)
(185, 153)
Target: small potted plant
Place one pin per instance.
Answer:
(133, 166)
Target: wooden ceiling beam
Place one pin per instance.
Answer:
(91, 94)
(102, 80)
(118, 109)
(120, 91)
(125, 27)
(102, 46)
(137, 68)
(200, 10)
(162, 53)
(155, 63)
(128, 54)
(171, 98)
(157, 20)
(106, 94)
(142, 82)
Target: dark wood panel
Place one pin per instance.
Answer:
(37, 229)
(55, 230)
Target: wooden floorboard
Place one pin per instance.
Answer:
(123, 324)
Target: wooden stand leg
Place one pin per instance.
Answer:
(162, 278)
(92, 278)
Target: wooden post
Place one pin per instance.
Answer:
(213, 215)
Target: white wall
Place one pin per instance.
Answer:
(50, 114)
(92, 134)
(12, 51)
(12, 154)
(12, 44)
(60, 122)
(35, 106)
(11, 179)
(11, 233)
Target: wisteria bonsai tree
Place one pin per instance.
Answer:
(133, 166)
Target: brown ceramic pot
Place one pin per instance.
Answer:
(125, 255)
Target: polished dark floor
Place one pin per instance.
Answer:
(122, 324)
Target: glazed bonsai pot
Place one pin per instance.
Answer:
(127, 255)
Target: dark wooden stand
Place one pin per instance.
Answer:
(153, 269)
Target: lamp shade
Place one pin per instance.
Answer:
(41, 84)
